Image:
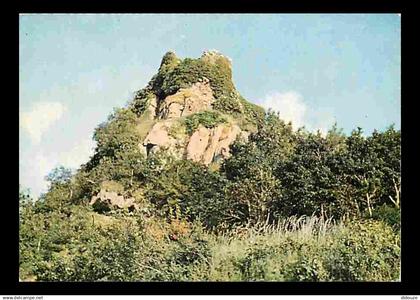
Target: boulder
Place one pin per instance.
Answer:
(106, 201)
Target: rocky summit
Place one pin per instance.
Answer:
(172, 194)
(191, 109)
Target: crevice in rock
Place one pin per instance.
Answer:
(149, 148)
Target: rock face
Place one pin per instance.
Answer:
(158, 138)
(208, 145)
(105, 201)
(187, 101)
(198, 143)
(168, 115)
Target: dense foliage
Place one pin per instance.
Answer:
(187, 225)
(84, 246)
(285, 206)
(208, 119)
(175, 74)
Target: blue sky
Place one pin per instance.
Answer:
(314, 69)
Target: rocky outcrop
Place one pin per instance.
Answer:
(208, 145)
(198, 143)
(167, 116)
(205, 145)
(227, 137)
(212, 56)
(187, 101)
(159, 138)
(106, 200)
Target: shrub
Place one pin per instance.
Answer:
(308, 249)
(189, 71)
(189, 187)
(364, 251)
(115, 137)
(183, 258)
(391, 215)
(228, 105)
(141, 101)
(254, 114)
(106, 255)
(208, 119)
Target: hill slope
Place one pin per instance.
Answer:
(192, 182)
(192, 109)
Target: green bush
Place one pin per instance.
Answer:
(144, 248)
(389, 214)
(184, 257)
(105, 255)
(115, 137)
(309, 251)
(186, 227)
(254, 114)
(228, 105)
(190, 187)
(364, 251)
(208, 119)
(141, 102)
(189, 71)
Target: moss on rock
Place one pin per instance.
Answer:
(208, 119)
(175, 74)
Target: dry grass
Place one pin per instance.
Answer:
(235, 244)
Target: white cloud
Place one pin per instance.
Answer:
(292, 107)
(36, 165)
(32, 172)
(37, 121)
(289, 105)
(77, 155)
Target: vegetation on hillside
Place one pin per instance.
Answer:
(195, 223)
(175, 74)
(208, 119)
(285, 206)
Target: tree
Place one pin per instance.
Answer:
(269, 146)
(387, 148)
(24, 195)
(308, 180)
(60, 191)
(59, 175)
(255, 195)
(256, 187)
(187, 187)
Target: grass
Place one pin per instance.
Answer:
(293, 249)
(208, 119)
(306, 249)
